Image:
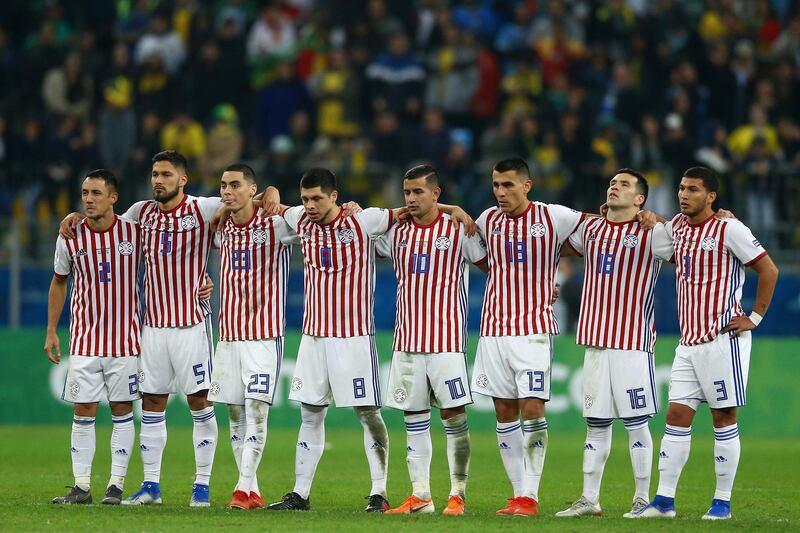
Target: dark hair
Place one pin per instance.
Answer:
(709, 177)
(423, 171)
(516, 164)
(107, 176)
(176, 158)
(319, 177)
(247, 171)
(642, 187)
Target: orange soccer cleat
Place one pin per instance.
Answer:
(413, 505)
(455, 506)
(240, 500)
(520, 506)
(256, 501)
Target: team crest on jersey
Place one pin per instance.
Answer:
(214, 387)
(141, 376)
(189, 222)
(708, 244)
(125, 248)
(482, 381)
(400, 395)
(630, 241)
(74, 388)
(259, 236)
(297, 384)
(345, 236)
(588, 401)
(442, 243)
(538, 230)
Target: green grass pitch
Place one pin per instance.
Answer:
(36, 467)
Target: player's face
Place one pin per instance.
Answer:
(420, 197)
(167, 181)
(97, 199)
(236, 191)
(693, 197)
(510, 190)
(622, 192)
(318, 204)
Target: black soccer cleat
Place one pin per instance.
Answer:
(76, 496)
(291, 502)
(113, 495)
(377, 504)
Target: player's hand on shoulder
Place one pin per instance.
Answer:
(647, 219)
(219, 218)
(461, 216)
(739, 324)
(206, 289)
(350, 208)
(52, 347)
(724, 213)
(270, 202)
(603, 210)
(67, 227)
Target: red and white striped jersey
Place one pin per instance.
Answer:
(175, 247)
(430, 263)
(253, 274)
(621, 266)
(523, 259)
(104, 305)
(339, 271)
(709, 271)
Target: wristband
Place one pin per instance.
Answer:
(755, 318)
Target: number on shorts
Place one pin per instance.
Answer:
(166, 242)
(517, 251)
(419, 263)
(721, 390)
(325, 257)
(637, 398)
(199, 373)
(536, 380)
(133, 384)
(456, 388)
(105, 271)
(255, 381)
(359, 389)
(605, 263)
(687, 266)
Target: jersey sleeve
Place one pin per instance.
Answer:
(576, 239)
(383, 246)
(565, 220)
(742, 244)
(293, 215)
(661, 241)
(376, 221)
(473, 248)
(134, 211)
(209, 206)
(481, 222)
(284, 233)
(62, 265)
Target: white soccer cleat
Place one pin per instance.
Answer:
(638, 504)
(581, 507)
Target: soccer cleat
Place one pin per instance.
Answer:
(256, 501)
(113, 495)
(581, 507)
(520, 506)
(639, 503)
(240, 500)
(200, 496)
(148, 494)
(719, 510)
(660, 507)
(413, 505)
(377, 504)
(75, 496)
(455, 506)
(291, 502)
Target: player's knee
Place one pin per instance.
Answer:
(447, 414)
(154, 402)
(121, 408)
(680, 415)
(256, 412)
(723, 417)
(86, 409)
(312, 415)
(506, 410)
(198, 400)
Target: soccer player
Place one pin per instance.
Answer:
(254, 269)
(617, 326)
(430, 255)
(103, 259)
(512, 365)
(337, 359)
(711, 362)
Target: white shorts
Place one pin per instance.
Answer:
(340, 370)
(418, 381)
(246, 369)
(176, 359)
(89, 377)
(513, 367)
(618, 384)
(714, 372)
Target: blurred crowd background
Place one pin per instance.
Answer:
(367, 88)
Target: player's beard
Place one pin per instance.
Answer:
(166, 196)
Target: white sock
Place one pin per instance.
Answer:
(376, 446)
(641, 447)
(509, 440)
(204, 437)
(534, 433)
(419, 452)
(256, 413)
(122, 437)
(152, 440)
(595, 453)
(82, 447)
(727, 449)
(674, 453)
(310, 444)
(238, 428)
(458, 453)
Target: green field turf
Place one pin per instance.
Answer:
(36, 467)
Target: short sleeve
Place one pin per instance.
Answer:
(661, 241)
(576, 239)
(376, 221)
(565, 220)
(133, 212)
(209, 206)
(481, 222)
(293, 215)
(473, 248)
(383, 246)
(283, 232)
(62, 265)
(741, 242)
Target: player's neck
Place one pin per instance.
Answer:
(101, 224)
(702, 216)
(429, 217)
(243, 215)
(625, 214)
(520, 209)
(331, 216)
(171, 203)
